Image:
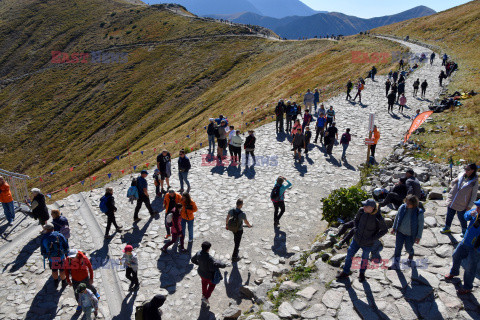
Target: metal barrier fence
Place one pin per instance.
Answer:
(18, 187)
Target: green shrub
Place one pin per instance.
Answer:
(342, 203)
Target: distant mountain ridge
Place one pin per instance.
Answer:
(322, 24)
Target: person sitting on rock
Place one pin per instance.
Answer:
(349, 225)
(151, 310)
(408, 227)
(397, 195)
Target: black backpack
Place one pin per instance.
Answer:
(275, 194)
(234, 222)
(216, 132)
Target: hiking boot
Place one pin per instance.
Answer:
(119, 229)
(190, 241)
(205, 302)
(449, 276)
(361, 277)
(445, 230)
(180, 190)
(342, 275)
(410, 260)
(338, 245)
(164, 191)
(183, 250)
(168, 187)
(97, 295)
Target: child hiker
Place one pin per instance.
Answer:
(130, 261)
(87, 301)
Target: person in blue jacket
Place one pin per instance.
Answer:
(278, 199)
(468, 249)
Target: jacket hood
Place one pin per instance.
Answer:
(158, 300)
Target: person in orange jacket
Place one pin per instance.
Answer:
(376, 137)
(171, 199)
(7, 201)
(79, 268)
(189, 207)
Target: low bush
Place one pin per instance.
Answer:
(342, 203)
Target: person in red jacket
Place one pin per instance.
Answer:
(176, 230)
(79, 268)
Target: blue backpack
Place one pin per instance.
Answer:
(132, 193)
(57, 246)
(103, 204)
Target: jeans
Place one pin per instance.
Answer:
(110, 220)
(461, 218)
(247, 153)
(207, 288)
(330, 144)
(142, 198)
(87, 282)
(352, 250)
(278, 205)
(87, 313)
(131, 275)
(9, 210)
(345, 147)
(289, 123)
(183, 177)
(211, 143)
(400, 240)
(190, 228)
(174, 240)
(461, 252)
(237, 237)
(279, 124)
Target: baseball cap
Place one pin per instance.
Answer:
(369, 203)
(47, 227)
(128, 248)
(81, 287)
(144, 172)
(410, 171)
(72, 253)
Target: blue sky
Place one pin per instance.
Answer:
(376, 8)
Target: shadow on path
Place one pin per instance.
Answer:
(134, 236)
(235, 281)
(44, 304)
(127, 306)
(24, 254)
(279, 246)
(206, 314)
(174, 266)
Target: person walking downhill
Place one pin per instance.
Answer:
(60, 223)
(349, 89)
(330, 116)
(308, 137)
(298, 144)
(237, 142)
(39, 207)
(164, 164)
(278, 198)
(408, 227)
(88, 301)
(463, 193)
(376, 137)
(416, 85)
(231, 134)
(280, 109)
(316, 99)
(441, 77)
(403, 102)
(7, 201)
(207, 269)
(78, 269)
(369, 227)
(373, 72)
(235, 219)
(388, 84)
(345, 141)
(320, 127)
(189, 207)
(432, 58)
(249, 147)
(444, 59)
(360, 87)
(307, 118)
(130, 261)
(400, 89)
(54, 247)
(424, 86)
(110, 212)
(143, 197)
(211, 136)
(221, 140)
(176, 230)
(169, 203)
(395, 76)
(391, 101)
(468, 249)
(290, 113)
(331, 135)
(308, 99)
(184, 167)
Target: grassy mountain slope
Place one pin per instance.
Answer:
(454, 31)
(180, 71)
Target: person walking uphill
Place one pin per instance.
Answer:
(388, 84)
(279, 111)
(60, 223)
(143, 197)
(207, 270)
(468, 249)
(189, 207)
(211, 136)
(408, 227)
(7, 201)
(320, 127)
(176, 227)
(376, 137)
(235, 219)
(39, 207)
(345, 141)
(184, 167)
(164, 164)
(416, 85)
(369, 227)
(130, 261)
(308, 99)
(88, 301)
(424, 86)
(391, 101)
(169, 203)
(237, 142)
(109, 206)
(54, 247)
(79, 268)
(278, 198)
(249, 147)
(331, 135)
(463, 193)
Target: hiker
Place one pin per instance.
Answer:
(349, 89)
(7, 201)
(373, 72)
(408, 227)
(176, 229)
(164, 164)
(369, 227)
(463, 192)
(132, 192)
(416, 84)
(316, 99)
(60, 223)
(156, 182)
(395, 76)
(221, 140)
(444, 59)
(231, 134)
(237, 142)
(401, 78)
(221, 118)
(79, 268)
(322, 111)
(211, 136)
(189, 207)
(88, 301)
(401, 89)
(376, 137)
(360, 87)
(299, 110)
(330, 135)
(424, 86)
(388, 84)
(432, 57)
(207, 270)
(143, 197)
(235, 219)
(320, 127)
(169, 203)
(39, 207)
(184, 167)
(307, 118)
(130, 261)
(403, 102)
(279, 111)
(296, 127)
(330, 116)
(308, 137)
(468, 249)
(401, 64)
(111, 209)
(308, 99)
(54, 247)
(291, 113)
(396, 195)
(298, 143)
(249, 147)
(150, 310)
(390, 74)
(441, 77)
(345, 141)
(278, 198)
(417, 113)
(391, 101)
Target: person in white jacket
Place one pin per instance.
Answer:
(308, 99)
(462, 194)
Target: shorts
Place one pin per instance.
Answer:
(164, 175)
(56, 264)
(222, 143)
(329, 120)
(297, 148)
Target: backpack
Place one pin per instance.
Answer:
(343, 139)
(361, 86)
(234, 222)
(103, 204)
(139, 313)
(58, 247)
(169, 219)
(132, 193)
(216, 132)
(275, 194)
(217, 276)
(64, 230)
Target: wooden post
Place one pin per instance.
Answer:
(368, 149)
(371, 123)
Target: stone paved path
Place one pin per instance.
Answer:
(215, 190)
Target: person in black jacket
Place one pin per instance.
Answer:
(391, 101)
(441, 77)
(206, 270)
(183, 167)
(211, 136)
(401, 89)
(39, 207)
(424, 86)
(249, 147)
(412, 183)
(397, 195)
(151, 309)
(111, 209)
(369, 227)
(279, 111)
(388, 84)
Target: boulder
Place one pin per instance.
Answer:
(436, 194)
(231, 313)
(269, 316)
(430, 222)
(307, 293)
(286, 310)
(288, 286)
(337, 259)
(319, 246)
(247, 291)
